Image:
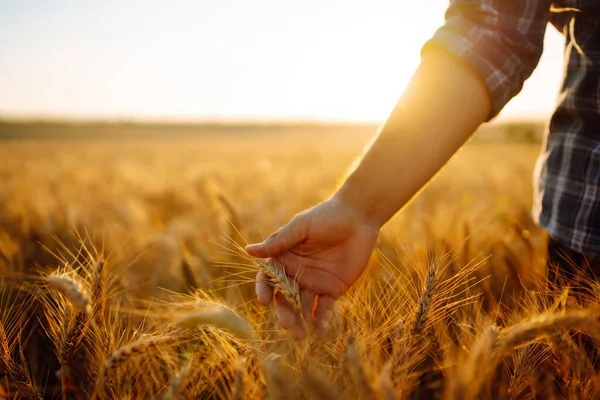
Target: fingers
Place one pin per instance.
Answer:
(264, 291)
(298, 331)
(307, 299)
(284, 312)
(323, 314)
(284, 239)
(288, 319)
(317, 318)
(305, 321)
(313, 275)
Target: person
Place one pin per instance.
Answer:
(471, 67)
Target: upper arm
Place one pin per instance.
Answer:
(501, 40)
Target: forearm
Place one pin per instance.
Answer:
(442, 106)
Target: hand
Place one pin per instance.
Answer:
(325, 249)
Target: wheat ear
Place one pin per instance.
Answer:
(542, 326)
(526, 360)
(278, 376)
(320, 387)
(566, 351)
(189, 276)
(217, 316)
(176, 383)
(240, 376)
(5, 358)
(358, 373)
(68, 346)
(419, 323)
(16, 370)
(476, 369)
(386, 383)
(98, 298)
(425, 301)
(282, 283)
(73, 289)
(128, 352)
(72, 339)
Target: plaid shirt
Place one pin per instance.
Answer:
(502, 41)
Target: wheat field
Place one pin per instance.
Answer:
(123, 276)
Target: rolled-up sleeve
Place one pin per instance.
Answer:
(501, 40)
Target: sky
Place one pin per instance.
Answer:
(219, 60)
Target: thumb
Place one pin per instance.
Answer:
(284, 239)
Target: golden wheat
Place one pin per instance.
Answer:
(176, 383)
(217, 316)
(159, 318)
(477, 367)
(543, 326)
(358, 372)
(73, 290)
(282, 283)
(128, 352)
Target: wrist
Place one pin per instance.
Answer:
(353, 195)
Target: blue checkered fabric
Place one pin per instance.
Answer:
(502, 41)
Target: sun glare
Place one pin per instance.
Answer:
(262, 60)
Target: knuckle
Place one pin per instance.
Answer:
(274, 234)
(297, 220)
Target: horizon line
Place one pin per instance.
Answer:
(182, 121)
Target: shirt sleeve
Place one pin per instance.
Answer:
(501, 40)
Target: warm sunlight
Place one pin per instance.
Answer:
(266, 59)
(277, 199)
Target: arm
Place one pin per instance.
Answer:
(470, 69)
(442, 106)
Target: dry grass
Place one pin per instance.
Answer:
(125, 279)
